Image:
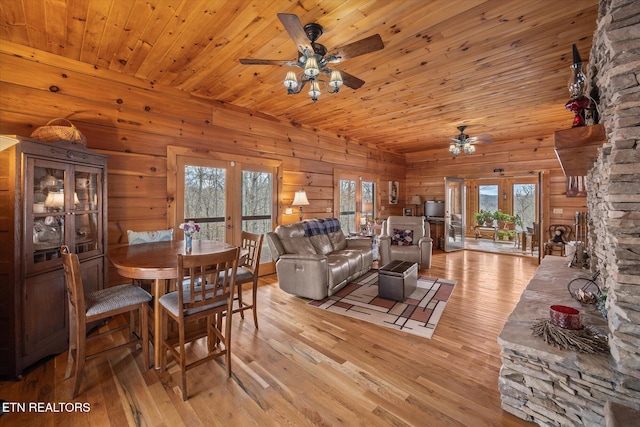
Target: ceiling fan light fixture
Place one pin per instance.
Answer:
(311, 68)
(314, 90)
(336, 80)
(291, 82)
(454, 149)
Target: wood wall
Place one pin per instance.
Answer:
(133, 122)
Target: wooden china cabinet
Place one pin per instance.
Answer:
(50, 194)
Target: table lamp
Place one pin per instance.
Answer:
(300, 199)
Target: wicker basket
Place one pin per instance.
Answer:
(51, 133)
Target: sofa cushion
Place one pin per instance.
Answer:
(321, 243)
(354, 257)
(338, 269)
(338, 241)
(402, 237)
(298, 245)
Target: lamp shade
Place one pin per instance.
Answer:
(311, 67)
(291, 82)
(415, 200)
(54, 200)
(300, 199)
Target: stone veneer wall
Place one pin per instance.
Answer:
(541, 383)
(614, 182)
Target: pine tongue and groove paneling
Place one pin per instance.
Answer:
(133, 122)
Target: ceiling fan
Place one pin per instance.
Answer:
(314, 61)
(464, 143)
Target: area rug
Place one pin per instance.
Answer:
(418, 315)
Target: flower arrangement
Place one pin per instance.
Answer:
(189, 228)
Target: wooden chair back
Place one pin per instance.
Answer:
(207, 279)
(252, 243)
(75, 289)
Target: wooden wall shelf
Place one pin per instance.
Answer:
(577, 148)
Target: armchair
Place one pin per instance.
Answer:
(406, 238)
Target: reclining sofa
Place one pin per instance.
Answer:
(314, 259)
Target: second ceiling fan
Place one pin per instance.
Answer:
(462, 143)
(314, 61)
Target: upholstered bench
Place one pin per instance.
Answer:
(397, 280)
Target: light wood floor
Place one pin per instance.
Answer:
(306, 366)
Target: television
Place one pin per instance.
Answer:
(434, 209)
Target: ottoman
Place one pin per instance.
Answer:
(397, 280)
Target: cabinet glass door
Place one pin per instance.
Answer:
(86, 211)
(46, 209)
(63, 207)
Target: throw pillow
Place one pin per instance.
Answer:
(402, 237)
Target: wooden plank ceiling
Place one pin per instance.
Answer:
(500, 67)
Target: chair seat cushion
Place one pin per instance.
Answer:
(114, 298)
(170, 302)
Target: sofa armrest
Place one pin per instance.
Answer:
(426, 247)
(304, 275)
(384, 250)
(359, 243)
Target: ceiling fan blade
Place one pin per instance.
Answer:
(361, 47)
(251, 61)
(293, 26)
(351, 81)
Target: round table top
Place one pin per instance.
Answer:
(157, 260)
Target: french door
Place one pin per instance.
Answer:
(225, 197)
(454, 215)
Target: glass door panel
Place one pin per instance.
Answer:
(46, 206)
(257, 208)
(454, 216)
(205, 200)
(348, 206)
(88, 215)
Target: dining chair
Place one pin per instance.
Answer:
(207, 293)
(99, 305)
(248, 272)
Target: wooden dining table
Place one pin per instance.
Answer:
(158, 261)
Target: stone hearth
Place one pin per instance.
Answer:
(549, 386)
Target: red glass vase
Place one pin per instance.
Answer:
(577, 105)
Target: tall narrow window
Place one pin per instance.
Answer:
(368, 200)
(204, 201)
(488, 197)
(348, 206)
(524, 203)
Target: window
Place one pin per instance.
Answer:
(355, 198)
(488, 197)
(348, 206)
(368, 199)
(204, 201)
(224, 194)
(524, 203)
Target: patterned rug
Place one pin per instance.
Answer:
(418, 315)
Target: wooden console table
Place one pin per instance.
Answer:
(486, 232)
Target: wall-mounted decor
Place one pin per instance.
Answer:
(393, 192)
(576, 186)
